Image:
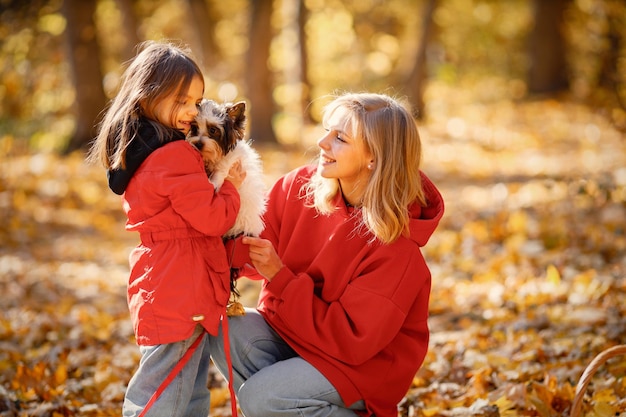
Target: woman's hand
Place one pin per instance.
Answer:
(236, 174)
(263, 256)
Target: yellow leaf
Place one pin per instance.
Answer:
(219, 397)
(517, 222)
(541, 397)
(506, 407)
(60, 375)
(552, 275)
(429, 412)
(603, 409)
(604, 395)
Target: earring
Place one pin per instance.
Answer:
(370, 166)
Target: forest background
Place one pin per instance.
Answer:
(521, 106)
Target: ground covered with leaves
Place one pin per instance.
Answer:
(528, 270)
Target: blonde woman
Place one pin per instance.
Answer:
(341, 324)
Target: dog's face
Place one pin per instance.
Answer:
(217, 129)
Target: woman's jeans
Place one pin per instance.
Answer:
(270, 379)
(186, 396)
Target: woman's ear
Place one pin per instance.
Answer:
(370, 165)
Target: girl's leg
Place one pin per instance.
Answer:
(292, 387)
(253, 346)
(186, 395)
(200, 401)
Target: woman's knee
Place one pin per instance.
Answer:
(254, 400)
(239, 329)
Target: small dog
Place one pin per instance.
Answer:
(218, 135)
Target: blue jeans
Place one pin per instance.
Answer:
(186, 395)
(270, 379)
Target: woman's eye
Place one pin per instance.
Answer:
(339, 138)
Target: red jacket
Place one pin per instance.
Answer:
(179, 273)
(356, 311)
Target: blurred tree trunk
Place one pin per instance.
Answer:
(204, 22)
(548, 69)
(84, 59)
(130, 27)
(609, 76)
(259, 83)
(305, 82)
(416, 83)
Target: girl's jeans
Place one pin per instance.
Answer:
(270, 379)
(186, 395)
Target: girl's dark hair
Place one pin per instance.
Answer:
(159, 70)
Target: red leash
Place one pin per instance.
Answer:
(170, 377)
(233, 399)
(183, 361)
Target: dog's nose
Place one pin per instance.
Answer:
(197, 143)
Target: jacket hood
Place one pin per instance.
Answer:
(145, 142)
(424, 220)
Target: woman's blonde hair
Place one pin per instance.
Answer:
(390, 133)
(159, 70)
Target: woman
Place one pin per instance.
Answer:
(341, 323)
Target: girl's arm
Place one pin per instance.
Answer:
(183, 181)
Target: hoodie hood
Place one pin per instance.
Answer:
(145, 142)
(424, 220)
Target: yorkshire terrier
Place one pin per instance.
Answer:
(218, 135)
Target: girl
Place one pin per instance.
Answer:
(341, 323)
(179, 274)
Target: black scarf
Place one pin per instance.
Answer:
(141, 146)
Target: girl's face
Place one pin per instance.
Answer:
(344, 157)
(179, 110)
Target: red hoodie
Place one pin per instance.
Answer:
(356, 311)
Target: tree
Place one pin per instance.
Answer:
(305, 82)
(609, 76)
(548, 69)
(258, 77)
(129, 27)
(416, 82)
(204, 22)
(82, 49)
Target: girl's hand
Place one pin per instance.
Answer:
(236, 174)
(263, 256)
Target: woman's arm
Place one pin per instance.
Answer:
(352, 313)
(263, 256)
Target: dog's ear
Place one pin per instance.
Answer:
(237, 112)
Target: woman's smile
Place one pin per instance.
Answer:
(326, 160)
